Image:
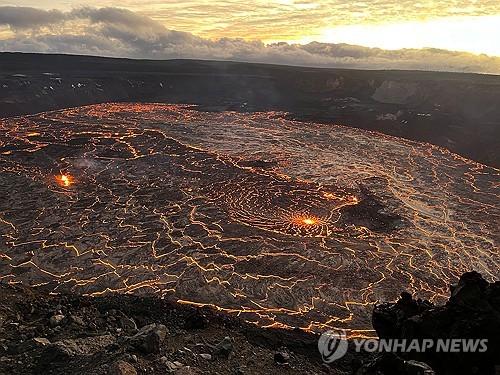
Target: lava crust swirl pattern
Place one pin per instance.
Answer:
(286, 224)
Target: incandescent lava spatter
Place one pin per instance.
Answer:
(284, 223)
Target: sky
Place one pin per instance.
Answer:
(454, 35)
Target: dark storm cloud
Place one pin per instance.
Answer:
(25, 17)
(117, 16)
(122, 33)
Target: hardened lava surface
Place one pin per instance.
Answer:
(284, 223)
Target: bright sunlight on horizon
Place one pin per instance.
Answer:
(439, 35)
(467, 34)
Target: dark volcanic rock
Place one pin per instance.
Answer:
(391, 364)
(379, 210)
(55, 320)
(472, 312)
(387, 318)
(196, 320)
(128, 324)
(224, 347)
(122, 368)
(28, 345)
(83, 346)
(149, 338)
(102, 345)
(281, 357)
(166, 346)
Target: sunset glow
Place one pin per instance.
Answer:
(177, 173)
(461, 25)
(432, 35)
(469, 34)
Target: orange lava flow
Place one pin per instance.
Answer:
(309, 221)
(251, 214)
(306, 220)
(65, 180)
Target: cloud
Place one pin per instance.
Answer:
(283, 19)
(123, 33)
(25, 18)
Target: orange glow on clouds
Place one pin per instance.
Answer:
(461, 25)
(469, 34)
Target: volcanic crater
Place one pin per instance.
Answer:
(284, 223)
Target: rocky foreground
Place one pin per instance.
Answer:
(124, 334)
(44, 333)
(472, 312)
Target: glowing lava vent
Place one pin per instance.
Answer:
(65, 180)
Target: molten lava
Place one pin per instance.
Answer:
(309, 221)
(65, 180)
(163, 206)
(306, 220)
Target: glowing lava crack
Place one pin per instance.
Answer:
(309, 221)
(64, 180)
(283, 223)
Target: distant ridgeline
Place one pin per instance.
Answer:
(453, 110)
